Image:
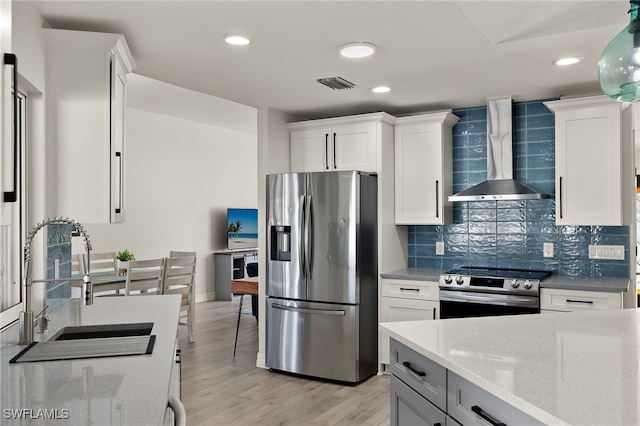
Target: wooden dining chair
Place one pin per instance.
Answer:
(144, 277)
(77, 267)
(100, 262)
(174, 253)
(179, 275)
(103, 262)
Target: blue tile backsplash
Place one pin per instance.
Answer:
(510, 234)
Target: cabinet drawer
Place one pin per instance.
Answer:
(409, 408)
(394, 309)
(472, 405)
(574, 300)
(410, 289)
(421, 374)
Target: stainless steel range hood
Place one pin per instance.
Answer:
(500, 184)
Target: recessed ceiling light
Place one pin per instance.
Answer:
(569, 60)
(357, 50)
(380, 89)
(237, 40)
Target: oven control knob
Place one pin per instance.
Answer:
(459, 280)
(528, 284)
(515, 283)
(448, 279)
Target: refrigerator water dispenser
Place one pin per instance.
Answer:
(281, 243)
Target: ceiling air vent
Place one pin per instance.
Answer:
(336, 83)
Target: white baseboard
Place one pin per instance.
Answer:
(211, 295)
(261, 360)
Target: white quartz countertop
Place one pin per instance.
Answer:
(414, 274)
(604, 284)
(577, 368)
(125, 390)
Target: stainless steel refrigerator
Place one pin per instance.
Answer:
(321, 274)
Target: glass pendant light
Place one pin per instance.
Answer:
(619, 66)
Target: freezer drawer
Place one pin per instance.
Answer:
(314, 339)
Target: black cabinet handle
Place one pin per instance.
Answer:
(335, 164)
(326, 151)
(119, 208)
(437, 199)
(417, 372)
(588, 302)
(12, 196)
(560, 185)
(417, 290)
(486, 417)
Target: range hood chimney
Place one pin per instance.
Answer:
(500, 184)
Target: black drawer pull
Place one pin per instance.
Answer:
(417, 372)
(12, 196)
(486, 417)
(410, 289)
(589, 302)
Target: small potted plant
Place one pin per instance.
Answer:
(124, 257)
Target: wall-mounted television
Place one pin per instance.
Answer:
(242, 228)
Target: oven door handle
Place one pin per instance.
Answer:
(488, 298)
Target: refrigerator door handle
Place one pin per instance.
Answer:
(309, 238)
(310, 311)
(303, 242)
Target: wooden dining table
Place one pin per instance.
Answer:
(242, 287)
(102, 281)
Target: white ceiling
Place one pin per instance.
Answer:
(435, 54)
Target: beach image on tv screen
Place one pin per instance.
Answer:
(242, 228)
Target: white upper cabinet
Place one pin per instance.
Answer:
(8, 162)
(423, 169)
(590, 172)
(85, 105)
(344, 143)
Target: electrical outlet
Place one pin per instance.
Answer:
(440, 248)
(547, 249)
(606, 252)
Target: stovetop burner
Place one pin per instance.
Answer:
(500, 273)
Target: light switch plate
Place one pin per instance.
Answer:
(547, 249)
(606, 252)
(440, 248)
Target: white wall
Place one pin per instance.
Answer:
(273, 149)
(28, 45)
(28, 42)
(181, 176)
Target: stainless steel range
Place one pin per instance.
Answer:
(476, 292)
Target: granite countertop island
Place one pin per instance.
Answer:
(560, 368)
(121, 390)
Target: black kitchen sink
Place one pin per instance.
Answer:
(102, 331)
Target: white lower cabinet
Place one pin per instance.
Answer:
(561, 300)
(175, 389)
(406, 300)
(423, 392)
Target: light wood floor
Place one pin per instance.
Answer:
(220, 390)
